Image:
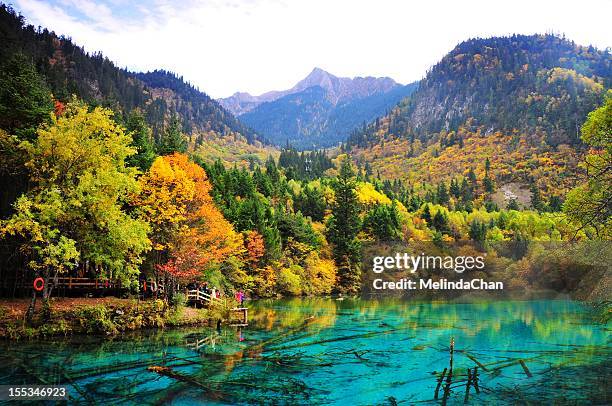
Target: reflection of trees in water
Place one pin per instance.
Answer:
(320, 337)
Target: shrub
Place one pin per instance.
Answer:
(178, 300)
(95, 319)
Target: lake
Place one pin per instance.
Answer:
(325, 351)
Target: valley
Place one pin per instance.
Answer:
(319, 111)
(426, 220)
(291, 192)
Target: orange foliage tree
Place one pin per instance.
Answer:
(255, 246)
(189, 234)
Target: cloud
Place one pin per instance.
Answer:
(224, 46)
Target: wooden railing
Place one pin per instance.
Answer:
(197, 295)
(70, 282)
(76, 283)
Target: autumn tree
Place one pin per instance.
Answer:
(255, 247)
(190, 235)
(590, 204)
(75, 213)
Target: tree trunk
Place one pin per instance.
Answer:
(30, 311)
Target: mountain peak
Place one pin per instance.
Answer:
(337, 89)
(318, 73)
(317, 70)
(318, 77)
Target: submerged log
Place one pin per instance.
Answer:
(170, 373)
(475, 380)
(525, 368)
(332, 340)
(439, 383)
(467, 386)
(476, 361)
(449, 379)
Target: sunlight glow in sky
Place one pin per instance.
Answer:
(223, 46)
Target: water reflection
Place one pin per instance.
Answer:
(323, 351)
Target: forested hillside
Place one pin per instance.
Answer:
(68, 70)
(517, 101)
(198, 112)
(541, 85)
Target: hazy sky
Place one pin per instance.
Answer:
(223, 46)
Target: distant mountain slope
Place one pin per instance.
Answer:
(540, 84)
(350, 115)
(338, 90)
(294, 118)
(68, 70)
(320, 110)
(519, 101)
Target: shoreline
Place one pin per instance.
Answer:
(111, 317)
(105, 317)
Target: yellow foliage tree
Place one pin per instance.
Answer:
(188, 229)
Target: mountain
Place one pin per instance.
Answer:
(540, 84)
(519, 101)
(338, 89)
(320, 110)
(68, 70)
(198, 112)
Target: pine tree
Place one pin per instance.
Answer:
(25, 100)
(383, 222)
(536, 198)
(488, 184)
(311, 203)
(272, 170)
(555, 203)
(137, 127)
(440, 222)
(172, 140)
(490, 206)
(342, 229)
(442, 194)
(426, 215)
(472, 176)
(455, 190)
(467, 192)
(513, 205)
(478, 231)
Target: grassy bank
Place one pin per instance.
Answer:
(108, 316)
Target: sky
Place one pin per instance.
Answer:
(224, 46)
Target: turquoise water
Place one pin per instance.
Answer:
(354, 352)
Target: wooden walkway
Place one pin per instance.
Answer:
(200, 298)
(244, 312)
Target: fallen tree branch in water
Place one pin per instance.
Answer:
(170, 373)
(333, 340)
(470, 356)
